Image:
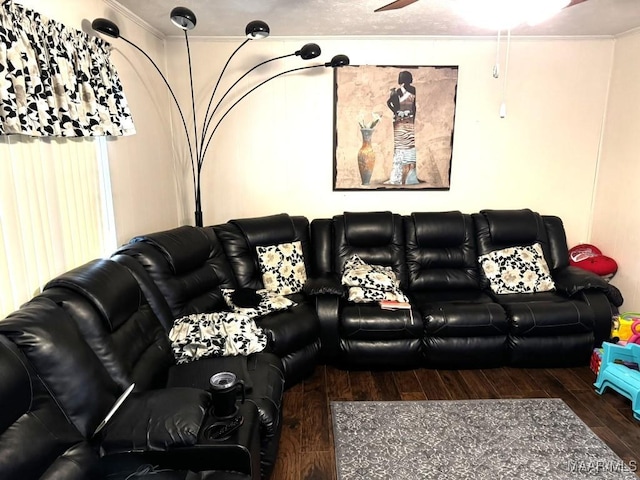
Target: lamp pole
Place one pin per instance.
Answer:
(185, 19)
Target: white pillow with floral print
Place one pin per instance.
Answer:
(269, 303)
(357, 273)
(217, 334)
(517, 270)
(282, 267)
(370, 283)
(370, 295)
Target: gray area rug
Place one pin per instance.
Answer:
(470, 439)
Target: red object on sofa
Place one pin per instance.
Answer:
(589, 257)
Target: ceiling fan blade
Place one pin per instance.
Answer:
(397, 4)
(574, 2)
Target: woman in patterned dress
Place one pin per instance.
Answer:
(402, 102)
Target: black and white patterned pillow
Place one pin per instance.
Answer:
(370, 295)
(282, 267)
(357, 273)
(517, 270)
(215, 335)
(370, 283)
(269, 303)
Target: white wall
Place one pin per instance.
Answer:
(143, 182)
(616, 220)
(274, 152)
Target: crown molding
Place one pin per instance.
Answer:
(628, 33)
(129, 15)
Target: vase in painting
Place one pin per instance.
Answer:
(366, 156)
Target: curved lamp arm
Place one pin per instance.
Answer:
(215, 88)
(173, 95)
(337, 61)
(255, 30)
(107, 27)
(307, 52)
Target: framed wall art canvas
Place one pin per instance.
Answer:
(394, 127)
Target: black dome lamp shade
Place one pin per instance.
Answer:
(183, 18)
(338, 61)
(106, 27)
(257, 29)
(309, 51)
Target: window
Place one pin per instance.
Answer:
(55, 211)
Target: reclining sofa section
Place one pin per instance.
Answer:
(38, 440)
(46, 429)
(117, 319)
(190, 266)
(102, 326)
(456, 320)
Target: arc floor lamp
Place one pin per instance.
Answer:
(198, 142)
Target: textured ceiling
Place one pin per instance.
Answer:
(352, 17)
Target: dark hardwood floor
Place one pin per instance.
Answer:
(306, 448)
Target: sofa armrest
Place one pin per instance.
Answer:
(328, 308)
(240, 453)
(571, 280)
(327, 291)
(156, 420)
(328, 284)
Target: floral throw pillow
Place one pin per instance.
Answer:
(370, 295)
(370, 283)
(517, 270)
(220, 334)
(269, 303)
(282, 266)
(357, 273)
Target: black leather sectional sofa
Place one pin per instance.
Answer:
(456, 320)
(70, 352)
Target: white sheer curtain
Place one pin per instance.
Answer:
(55, 197)
(54, 211)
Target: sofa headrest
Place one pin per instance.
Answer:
(15, 388)
(268, 230)
(368, 229)
(109, 286)
(186, 248)
(516, 227)
(38, 439)
(45, 334)
(439, 229)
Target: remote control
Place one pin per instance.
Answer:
(221, 432)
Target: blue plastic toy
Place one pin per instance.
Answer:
(615, 374)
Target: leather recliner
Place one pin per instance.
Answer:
(46, 430)
(462, 324)
(553, 328)
(113, 314)
(362, 335)
(189, 266)
(294, 334)
(435, 255)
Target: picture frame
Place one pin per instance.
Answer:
(393, 127)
